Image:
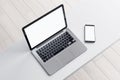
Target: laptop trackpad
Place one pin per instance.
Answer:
(65, 57)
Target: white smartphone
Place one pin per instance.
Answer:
(89, 33)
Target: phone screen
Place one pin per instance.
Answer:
(89, 33)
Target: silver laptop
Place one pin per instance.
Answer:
(51, 42)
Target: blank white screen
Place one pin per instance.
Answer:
(89, 33)
(45, 27)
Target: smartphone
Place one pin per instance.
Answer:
(89, 33)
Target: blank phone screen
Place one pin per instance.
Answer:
(90, 33)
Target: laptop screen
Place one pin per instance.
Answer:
(45, 27)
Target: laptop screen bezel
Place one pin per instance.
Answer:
(23, 29)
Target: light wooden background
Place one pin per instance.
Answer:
(14, 14)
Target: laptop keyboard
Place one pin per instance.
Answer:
(55, 46)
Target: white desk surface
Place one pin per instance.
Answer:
(16, 63)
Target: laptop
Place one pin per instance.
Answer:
(51, 42)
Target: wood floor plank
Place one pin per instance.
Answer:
(47, 4)
(98, 57)
(107, 68)
(116, 47)
(113, 58)
(57, 2)
(5, 40)
(71, 78)
(81, 75)
(94, 72)
(36, 8)
(0, 48)
(24, 10)
(72, 2)
(65, 3)
(67, 6)
(10, 29)
(13, 13)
